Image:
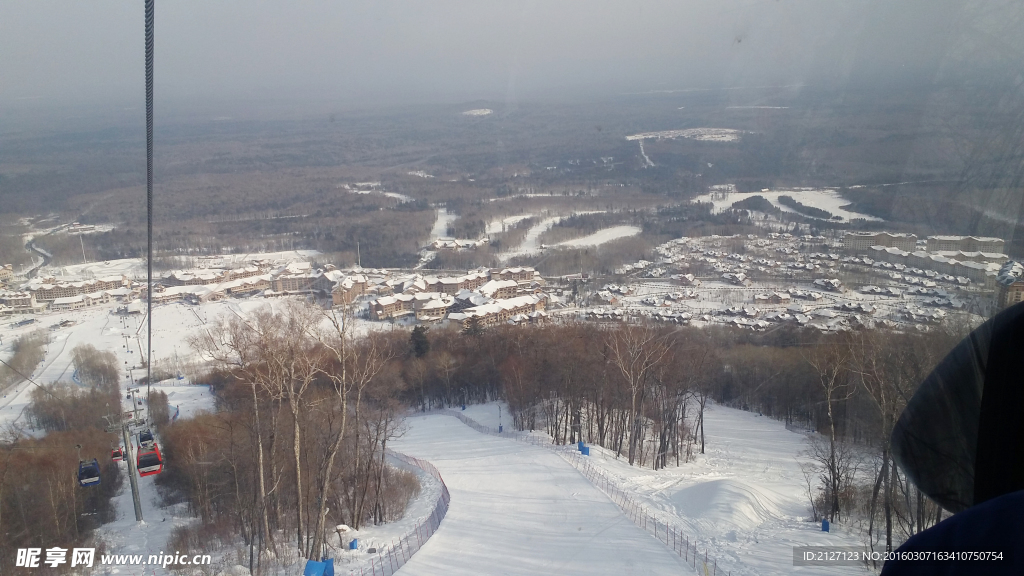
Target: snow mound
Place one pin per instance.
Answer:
(478, 112)
(725, 503)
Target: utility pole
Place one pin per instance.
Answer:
(129, 454)
(134, 481)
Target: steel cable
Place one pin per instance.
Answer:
(149, 196)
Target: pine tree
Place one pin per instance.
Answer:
(420, 343)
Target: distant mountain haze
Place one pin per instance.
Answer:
(362, 53)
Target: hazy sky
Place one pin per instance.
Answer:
(357, 51)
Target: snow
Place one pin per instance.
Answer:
(498, 226)
(702, 134)
(826, 199)
(521, 509)
(478, 112)
(744, 501)
(130, 267)
(647, 160)
(375, 188)
(440, 229)
(530, 244)
(173, 324)
(601, 237)
(136, 267)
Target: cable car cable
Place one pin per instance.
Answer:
(149, 195)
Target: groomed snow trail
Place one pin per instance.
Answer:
(521, 509)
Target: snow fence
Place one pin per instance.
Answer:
(672, 536)
(390, 558)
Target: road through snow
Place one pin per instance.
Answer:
(522, 509)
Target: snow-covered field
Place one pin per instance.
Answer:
(825, 199)
(136, 267)
(702, 134)
(521, 509)
(601, 236)
(374, 188)
(478, 112)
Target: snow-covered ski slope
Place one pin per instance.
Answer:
(522, 509)
(744, 501)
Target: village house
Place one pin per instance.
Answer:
(18, 302)
(348, 289)
(522, 275)
(500, 311)
(6, 274)
(499, 289)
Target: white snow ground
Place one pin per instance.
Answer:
(497, 226)
(440, 229)
(521, 509)
(825, 199)
(745, 500)
(530, 244)
(136, 267)
(601, 236)
(173, 324)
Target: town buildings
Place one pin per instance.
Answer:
(862, 241)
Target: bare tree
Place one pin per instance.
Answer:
(636, 351)
(355, 364)
(830, 361)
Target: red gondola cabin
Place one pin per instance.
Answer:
(149, 461)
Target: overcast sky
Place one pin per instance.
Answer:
(357, 51)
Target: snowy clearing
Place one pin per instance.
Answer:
(601, 236)
(702, 134)
(521, 509)
(826, 199)
(498, 226)
(440, 229)
(530, 244)
(374, 188)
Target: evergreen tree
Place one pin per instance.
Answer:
(420, 343)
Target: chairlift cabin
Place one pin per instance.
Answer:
(146, 438)
(117, 454)
(88, 473)
(149, 461)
